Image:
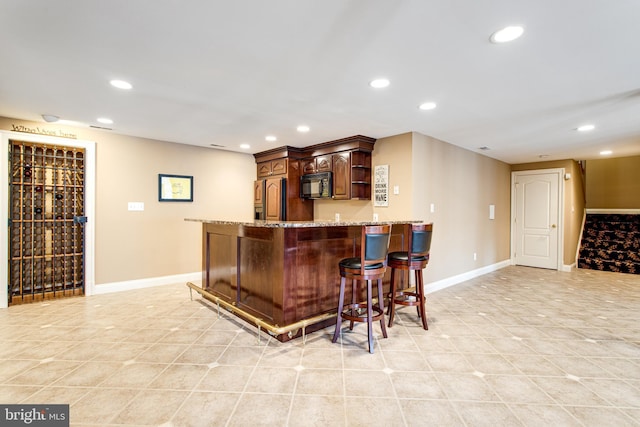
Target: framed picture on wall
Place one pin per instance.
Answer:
(175, 188)
(381, 186)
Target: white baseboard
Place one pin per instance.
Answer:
(128, 285)
(613, 211)
(567, 268)
(454, 280)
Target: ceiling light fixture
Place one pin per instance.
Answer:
(427, 106)
(379, 83)
(303, 129)
(605, 152)
(245, 146)
(105, 121)
(506, 34)
(121, 84)
(270, 138)
(585, 128)
(50, 118)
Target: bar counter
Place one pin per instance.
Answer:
(282, 275)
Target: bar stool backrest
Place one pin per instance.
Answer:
(374, 247)
(420, 241)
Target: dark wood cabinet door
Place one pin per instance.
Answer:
(257, 272)
(258, 192)
(273, 196)
(341, 176)
(264, 169)
(323, 164)
(271, 168)
(308, 166)
(279, 167)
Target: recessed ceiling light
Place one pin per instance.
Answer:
(427, 106)
(121, 84)
(506, 34)
(606, 152)
(586, 128)
(105, 121)
(245, 146)
(271, 138)
(50, 118)
(303, 128)
(379, 83)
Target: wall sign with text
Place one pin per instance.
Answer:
(381, 186)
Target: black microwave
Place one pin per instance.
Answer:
(316, 186)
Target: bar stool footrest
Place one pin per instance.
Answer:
(407, 298)
(358, 312)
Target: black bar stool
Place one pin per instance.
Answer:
(415, 259)
(371, 265)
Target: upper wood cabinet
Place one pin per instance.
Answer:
(272, 167)
(283, 164)
(349, 159)
(317, 164)
(351, 173)
(273, 208)
(308, 166)
(258, 192)
(341, 176)
(324, 163)
(360, 175)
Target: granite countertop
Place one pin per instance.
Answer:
(298, 224)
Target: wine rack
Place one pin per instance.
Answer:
(46, 233)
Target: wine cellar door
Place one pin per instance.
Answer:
(46, 221)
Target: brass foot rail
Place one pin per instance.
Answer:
(274, 330)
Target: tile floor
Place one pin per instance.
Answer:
(516, 347)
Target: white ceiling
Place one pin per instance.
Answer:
(230, 72)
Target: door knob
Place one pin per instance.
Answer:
(553, 226)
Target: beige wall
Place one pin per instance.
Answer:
(461, 185)
(574, 202)
(613, 183)
(156, 242)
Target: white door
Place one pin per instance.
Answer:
(536, 222)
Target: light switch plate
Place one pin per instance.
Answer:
(135, 206)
